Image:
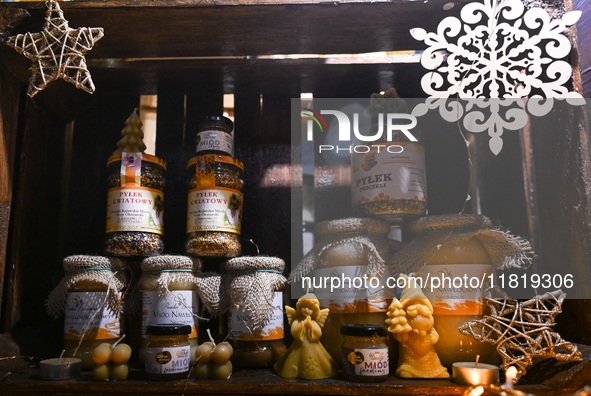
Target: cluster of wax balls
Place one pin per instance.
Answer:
(111, 362)
(214, 361)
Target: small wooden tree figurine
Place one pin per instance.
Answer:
(133, 136)
(411, 320)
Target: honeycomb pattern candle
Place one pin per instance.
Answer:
(411, 320)
(111, 361)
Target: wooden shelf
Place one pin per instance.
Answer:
(244, 382)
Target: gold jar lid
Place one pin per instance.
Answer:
(171, 262)
(145, 157)
(226, 159)
(351, 224)
(450, 222)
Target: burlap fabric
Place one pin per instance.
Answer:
(248, 284)
(430, 233)
(366, 235)
(103, 270)
(168, 269)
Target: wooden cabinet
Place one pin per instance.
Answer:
(53, 149)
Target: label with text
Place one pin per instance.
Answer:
(217, 209)
(273, 330)
(177, 307)
(87, 316)
(366, 362)
(135, 209)
(168, 360)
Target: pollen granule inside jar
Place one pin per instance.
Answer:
(214, 208)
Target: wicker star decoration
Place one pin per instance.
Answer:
(57, 51)
(523, 330)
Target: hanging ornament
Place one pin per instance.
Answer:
(492, 59)
(523, 330)
(57, 51)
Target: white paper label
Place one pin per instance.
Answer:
(135, 209)
(349, 289)
(217, 209)
(460, 287)
(366, 362)
(84, 312)
(389, 171)
(168, 360)
(178, 307)
(215, 140)
(273, 330)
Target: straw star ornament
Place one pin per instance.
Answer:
(57, 51)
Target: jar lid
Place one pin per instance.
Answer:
(450, 222)
(223, 119)
(171, 262)
(351, 224)
(363, 330)
(168, 329)
(255, 263)
(213, 118)
(216, 158)
(81, 262)
(145, 157)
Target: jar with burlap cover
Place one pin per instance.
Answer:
(252, 294)
(432, 232)
(90, 296)
(248, 284)
(96, 271)
(456, 257)
(354, 238)
(347, 250)
(170, 293)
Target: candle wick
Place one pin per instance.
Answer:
(476, 362)
(62, 354)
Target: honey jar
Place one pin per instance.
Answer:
(169, 294)
(91, 291)
(214, 136)
(167, 352)
(351, 249)
(365, 353)
(461, 256)
(262, 346)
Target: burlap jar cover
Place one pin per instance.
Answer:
(102, 270)
(505, 249)
(248, 284)
(364, 234)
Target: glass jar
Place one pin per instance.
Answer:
(135, 205)
(214, 136)
(180, 305)
(88, 320)
(365, 353)
(344, 256)
(388, 179)
(214, 208)
(167, 352)
(242, 278)
(460, 255)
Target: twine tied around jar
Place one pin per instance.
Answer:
(350, 231)
(505, 249)
(249, 284)
(80, 268)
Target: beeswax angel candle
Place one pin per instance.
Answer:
(411, 320)
(306, 358)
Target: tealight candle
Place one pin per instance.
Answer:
(60, 368)
(474, 373)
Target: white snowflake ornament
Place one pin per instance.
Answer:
(496, 56)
